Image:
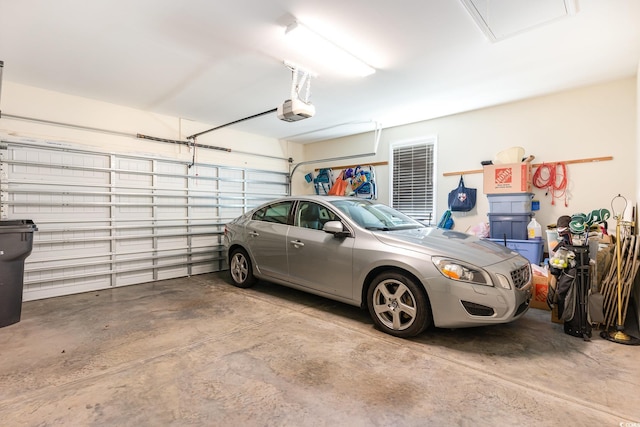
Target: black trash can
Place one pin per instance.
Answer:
(16, 242)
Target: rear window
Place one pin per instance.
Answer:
(277, 212)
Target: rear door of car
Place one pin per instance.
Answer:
(319, 260)
(266, 235)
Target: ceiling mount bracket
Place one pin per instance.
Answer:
(300, 78)
(297, 107)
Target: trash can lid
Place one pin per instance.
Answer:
(17, 226)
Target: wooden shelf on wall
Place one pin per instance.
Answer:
(353, 166)
(535, 165)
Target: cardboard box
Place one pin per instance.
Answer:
(507, 178)
(539, 292)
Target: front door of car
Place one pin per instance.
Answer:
(319, 260)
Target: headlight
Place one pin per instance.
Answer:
(457, 270)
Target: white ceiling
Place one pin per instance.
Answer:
(219, 61)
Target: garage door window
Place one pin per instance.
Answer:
(412, 178)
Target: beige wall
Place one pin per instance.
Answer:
(26, 101)
(593, 121)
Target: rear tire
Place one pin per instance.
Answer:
(240, 269)
(397, 305)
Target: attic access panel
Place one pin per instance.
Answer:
(499, 19)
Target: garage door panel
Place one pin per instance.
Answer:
(134, 199)
(133, 229)
(45, 216)
(211, 254)
(203, 211)
(263, 188)
(70, 244)
(66, 287)
(49, 165)
(171, 216)
(131, 180)
(172, 182)
(173, 242)
(206, 230)
(174, 261)
(60, 273)
(58, 204)
(133, 171)
(227, 213)
(135, 264)
(207, 241)
(49, 247)
(134, 212)
(176, 211)
(172, 273)
(169, 267)
(137, 244)
(110, 219)
(202, 268)
(135, 277)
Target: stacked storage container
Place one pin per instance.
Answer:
(509, 215)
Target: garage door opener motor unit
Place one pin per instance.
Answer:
(297, 108)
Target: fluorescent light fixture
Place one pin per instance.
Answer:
(326, 52)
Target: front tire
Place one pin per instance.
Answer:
(240, 269)
(397, 305)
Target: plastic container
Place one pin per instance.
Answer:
(534, 229)
(552, 241)
(16, 242)
(530, 249)
(510, 155)
(509, 226)
(510, 203)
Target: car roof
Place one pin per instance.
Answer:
(323, 197)
(313, 197)
(319, 198)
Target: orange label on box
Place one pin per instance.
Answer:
(503, 175)
(540, 292)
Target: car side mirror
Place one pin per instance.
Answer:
(335, 227)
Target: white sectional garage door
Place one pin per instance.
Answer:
(108, 220)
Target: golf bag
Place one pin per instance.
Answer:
(573, 293)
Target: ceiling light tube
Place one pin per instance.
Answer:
(326, 52)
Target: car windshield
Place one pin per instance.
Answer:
(375, 216)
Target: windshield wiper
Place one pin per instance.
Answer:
(407, 226)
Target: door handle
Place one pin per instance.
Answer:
(254, 234)
(297, 243)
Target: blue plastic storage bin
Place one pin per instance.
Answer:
(509, 226)
(530, 249)
(510, 203)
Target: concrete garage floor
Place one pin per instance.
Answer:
(198, 351)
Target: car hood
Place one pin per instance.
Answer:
(449, 243)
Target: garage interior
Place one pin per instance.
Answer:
(131, 133)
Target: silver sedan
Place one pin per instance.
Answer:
(409, 276)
